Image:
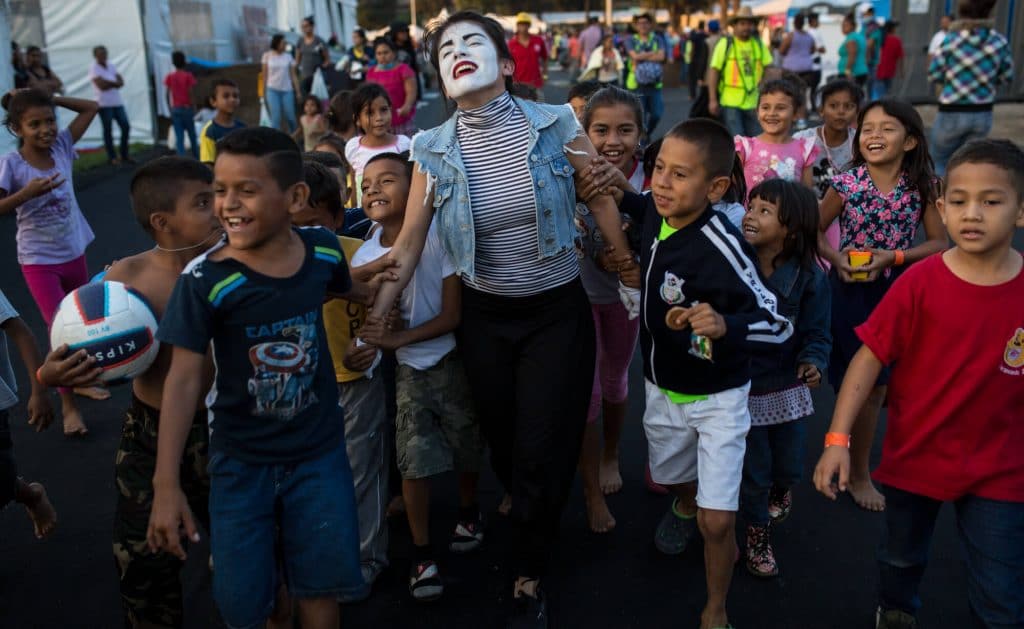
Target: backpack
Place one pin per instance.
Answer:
(647, 72)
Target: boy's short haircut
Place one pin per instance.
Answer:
(276, 148)
(156, 185)
(324, 158)
(1001, 153)
(178, 59)
(841, 85)
(221, 83)
(712, 139)
(324, 189)
(401, 158)
(584, 90)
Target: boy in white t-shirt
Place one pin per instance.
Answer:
(436, 430)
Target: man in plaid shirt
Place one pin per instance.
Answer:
(971, 63)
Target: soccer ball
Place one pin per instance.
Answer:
(111, 321)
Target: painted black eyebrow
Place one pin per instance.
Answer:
(464, 38)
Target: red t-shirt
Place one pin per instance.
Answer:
(892, 52)
(180, 83)
(529, 60)
(956, 396)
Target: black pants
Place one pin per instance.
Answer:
(530, 362)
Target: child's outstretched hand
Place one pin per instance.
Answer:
(42, 185)
(379, 333)
(40, 411)
(809, 374)
(702, 319)
(834, 461)
(71, 370)
(170, 519)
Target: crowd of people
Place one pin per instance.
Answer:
(481, 286)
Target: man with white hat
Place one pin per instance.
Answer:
(736, 68)
(530, 54)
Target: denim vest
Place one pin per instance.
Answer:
(437, 153)
(804, 299)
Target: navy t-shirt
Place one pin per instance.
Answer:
(274, 398)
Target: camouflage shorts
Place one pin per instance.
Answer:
(436, 430)
(151, 583)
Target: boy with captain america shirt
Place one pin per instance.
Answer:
(280, 483)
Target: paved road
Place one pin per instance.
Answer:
(618, 580)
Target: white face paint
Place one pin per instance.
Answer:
(468, 59)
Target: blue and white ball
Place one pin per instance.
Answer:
(111, 321)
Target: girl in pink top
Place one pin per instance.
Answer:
(775, 153)
(399, 81)
(35, 184)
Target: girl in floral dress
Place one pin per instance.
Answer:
(775, 153)
(879, 201)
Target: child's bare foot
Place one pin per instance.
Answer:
(599, 518)
(93, 393)
(866, 496)
(395, 507)
(505, 507)
(611, 480)
(42, 513)
(74, 426)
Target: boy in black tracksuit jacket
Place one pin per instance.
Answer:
(703, 305)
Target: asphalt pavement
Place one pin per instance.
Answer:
(617, 580)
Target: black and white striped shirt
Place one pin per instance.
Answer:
(494, 140)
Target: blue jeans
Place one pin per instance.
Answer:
(953, 129)
(741, 121)
(281, 104)
(107, 116)
(774, 458)
(880, 88)
(654, 106)
(182, 118)
(991, 534)
(297, 519)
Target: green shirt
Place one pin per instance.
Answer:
(674, 396)
(741, 72)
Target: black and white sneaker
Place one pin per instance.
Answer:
(468, 536)
(425, 583)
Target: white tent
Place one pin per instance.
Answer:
(73, 29)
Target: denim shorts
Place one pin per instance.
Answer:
(293, 520)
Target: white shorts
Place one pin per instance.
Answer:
(702, 440)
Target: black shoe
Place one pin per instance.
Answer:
(425, 583)
(531, 612)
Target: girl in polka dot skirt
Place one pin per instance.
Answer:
(782, 225)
